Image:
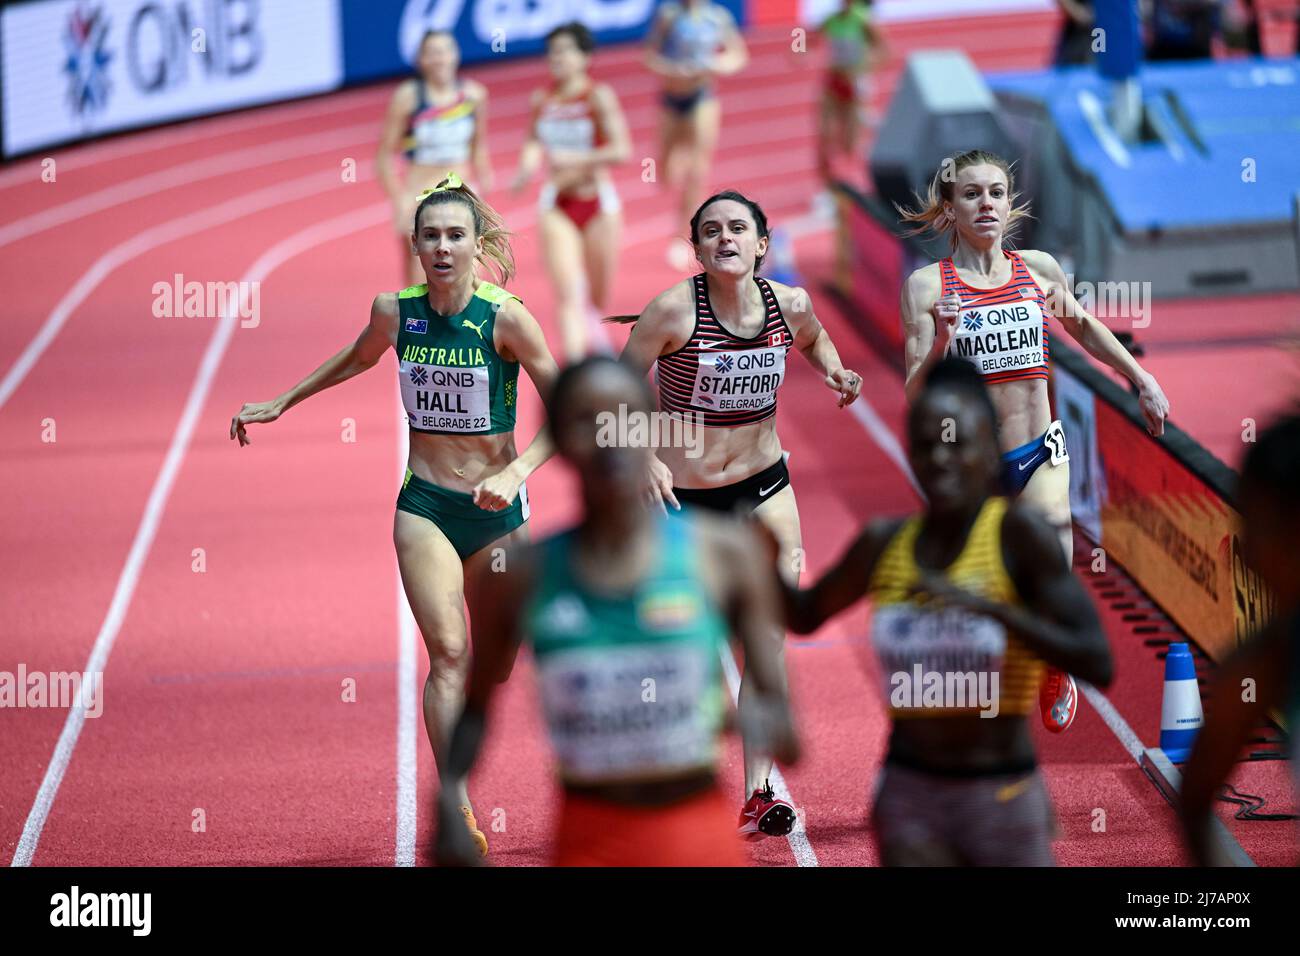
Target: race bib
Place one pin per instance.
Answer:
(567, 134)
(446, 398)
(936, 656)
(613, 711)
(1054, 439)
(738, 381)
(444, 140)
(1000, 338)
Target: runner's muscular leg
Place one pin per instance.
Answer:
(492, 557)
(1048, 491)
(434, 583)
(780, 514)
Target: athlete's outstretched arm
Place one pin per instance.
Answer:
(1058, 622)
(807, 609)
(496, 641)
(927, 328)
(518, 338)
(370, 346)
(812, 339)
(1263, 660)
(751, 606)
(1098, 340)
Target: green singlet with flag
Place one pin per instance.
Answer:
(453, 381)
(631, 684)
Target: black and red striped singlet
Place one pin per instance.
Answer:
(1002, 331)
(726, 380)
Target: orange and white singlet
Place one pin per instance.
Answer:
(1002, 331)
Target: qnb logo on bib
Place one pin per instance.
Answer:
(1000, 338)
(738, 381)
(446, 398)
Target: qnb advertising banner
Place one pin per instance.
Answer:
(1150, 505)
(77, 68)
(383, 35)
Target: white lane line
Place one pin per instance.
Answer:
(875, 426)
(192, 222)
(200, 219)
(799, 845)
(185, 175)
(307, 239)
(1117, 724)
(407, 762)
(73, 156)
(198, 130)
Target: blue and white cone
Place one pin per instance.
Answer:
(1180, 713)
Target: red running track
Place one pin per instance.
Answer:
(224, 689)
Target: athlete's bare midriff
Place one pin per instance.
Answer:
(459, 462)
(729, 455)
(962, 743)
(582, 184)
(1023, 411)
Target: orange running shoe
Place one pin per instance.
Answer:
(475, 833)
(1058, 700)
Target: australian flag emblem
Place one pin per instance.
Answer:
(418, 326)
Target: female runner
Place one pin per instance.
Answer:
(440, 123)
(627, 614)
(719, 341)
(855, 44)
(460, 342)
(989, 305)
(690, 43)
(960, 785)
(579, 127)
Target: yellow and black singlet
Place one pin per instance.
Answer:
(932, 657)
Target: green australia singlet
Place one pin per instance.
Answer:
(631, 685)
(453, 381)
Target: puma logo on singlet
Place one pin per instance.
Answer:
(467, 324)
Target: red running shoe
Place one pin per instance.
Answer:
(764, 814)
(1058, 700)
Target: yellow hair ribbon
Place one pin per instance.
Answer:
(450, 181)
